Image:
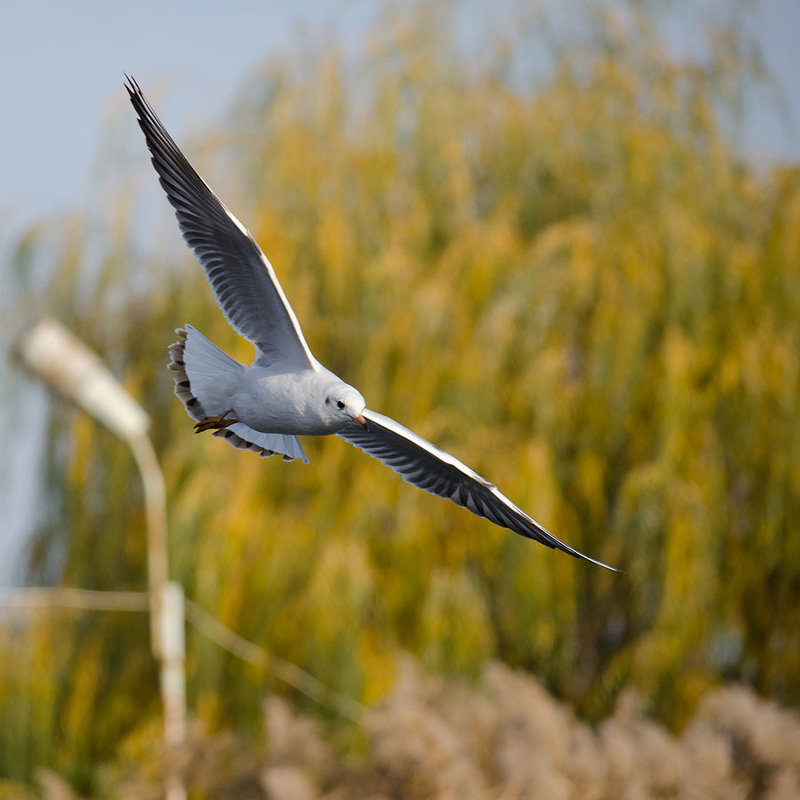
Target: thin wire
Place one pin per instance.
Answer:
(301, 680)
(56, 598)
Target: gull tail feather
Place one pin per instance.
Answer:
(203, 374)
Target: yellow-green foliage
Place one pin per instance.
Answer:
(571, 282)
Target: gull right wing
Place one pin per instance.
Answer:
(428, 467)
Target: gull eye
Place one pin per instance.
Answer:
(340, 404)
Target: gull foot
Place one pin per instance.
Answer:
(214, 423)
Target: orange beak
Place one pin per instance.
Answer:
(361, 421)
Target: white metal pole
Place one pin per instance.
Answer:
(173, 686)
(166, 615)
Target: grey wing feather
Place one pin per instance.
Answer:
(430, 468)
(241, 276)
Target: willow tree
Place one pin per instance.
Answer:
(567, 277)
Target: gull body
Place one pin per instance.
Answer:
(311, 397)
(277, 399)
(286, 391)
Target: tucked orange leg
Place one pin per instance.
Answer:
(214, 423)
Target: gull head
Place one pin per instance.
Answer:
(345, 404)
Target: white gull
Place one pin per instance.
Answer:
(286, 392)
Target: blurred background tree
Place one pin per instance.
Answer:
(567, 277)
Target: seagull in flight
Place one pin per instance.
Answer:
(286, 391)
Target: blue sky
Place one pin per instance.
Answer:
(61, 67)
(62, 64)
